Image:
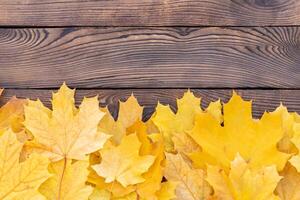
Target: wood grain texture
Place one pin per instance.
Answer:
(150, 57)
(262, 99)
(149, 12)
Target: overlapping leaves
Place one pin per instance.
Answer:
(83, 153)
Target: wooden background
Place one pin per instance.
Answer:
(153, 48)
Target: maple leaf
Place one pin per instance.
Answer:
(183, 143)
(295, 160)
(167, 191)
(153, 177)
(67, 182)
(123, 162)
(170, 123)
(115, 189)
(288, 187)
(12, 114)
(19, 180)
(255, 140)
(288, 122)
(151, 144)
(191, 184)
(65, 132)
(140, 129)
(129, 113)
(131, 196)
(242, 183)
(215, 109)
(102, 194)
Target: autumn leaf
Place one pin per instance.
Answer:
(288, 187)
(19, 180)
(167, 191)
(242, 183)
(191, 183)
(215, 109)
(147, 190)
(169, 123)
(129, 112)
(131, 196)
(295, 160)
(100, 194)
(183, 143)
(115, 189)
(188, 106)
(67, 182)
(141, 130)
(123, 162)
(65, 132)
(288, 122)
(12, 114)
(151, 144)
(255, 140)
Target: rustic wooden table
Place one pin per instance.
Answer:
(154, 48)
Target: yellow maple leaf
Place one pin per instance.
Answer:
(65, 132)
(167, 191)
(183, 143)
(288, 122)
(114, 188)
(242, 183)
(123, 162)
(19, 180)
(191, 184)
(112, 127)
(169, 123)
(151, 144)
(215, 109)
(153, 177)
(255, 140)
(102, 194)
(129, 112)
(288, 187)
(12, 114)
(295, 160)
(132, 196)
(67, 182)
(188, 107)
(140, 129)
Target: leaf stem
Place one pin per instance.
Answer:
(61, 179)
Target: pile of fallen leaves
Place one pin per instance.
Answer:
(83, 153)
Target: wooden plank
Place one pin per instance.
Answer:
(211, 57)
(262, 99)
(149, 12)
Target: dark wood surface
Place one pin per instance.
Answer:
(154, 48)
(263, 100)
(149, 12)
(211, 57)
